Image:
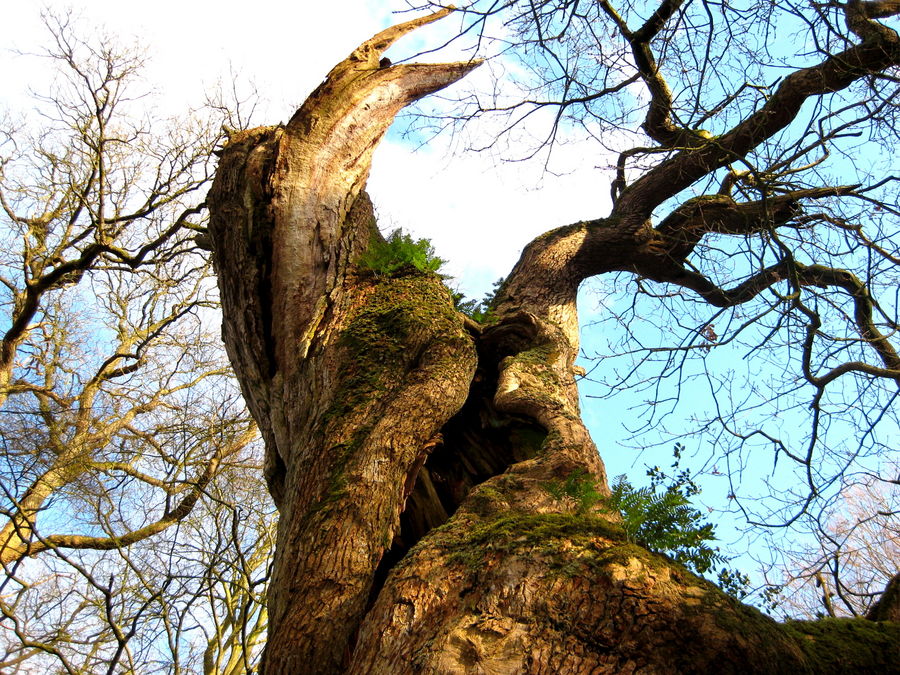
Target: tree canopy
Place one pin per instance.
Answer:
(401, 441)
(122, 434)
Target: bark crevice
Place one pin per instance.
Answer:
(480, 442)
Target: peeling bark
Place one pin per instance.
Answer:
(409, 450)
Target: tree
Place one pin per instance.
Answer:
(190, 599)
(120, 422)
(857, 550)
(413, 452)
(94, 197)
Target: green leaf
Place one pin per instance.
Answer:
(666, 522)
(399, 252)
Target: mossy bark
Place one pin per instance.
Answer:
(410, 450)
(515, 592)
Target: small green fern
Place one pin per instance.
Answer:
(666, 522)
(479, 310)
(662, 520)
(399, 252)
(579, 487)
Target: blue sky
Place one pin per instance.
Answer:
(478, 212)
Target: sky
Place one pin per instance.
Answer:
(478, 212)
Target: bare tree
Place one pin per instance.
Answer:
(120, 421)
(94, 205)
(188, 600)
(855, 556)
(409, 449)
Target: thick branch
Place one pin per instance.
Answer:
(25, 526)
(860, 15)
(682, 229)
(720, 297)
(801, 275)
(833, 74)
(348, 374)
(820, 275)
(658, 124)
(323, 160)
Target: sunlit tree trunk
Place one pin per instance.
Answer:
(410, 450)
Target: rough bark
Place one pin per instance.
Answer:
(410, 450)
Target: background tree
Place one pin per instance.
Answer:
(131, 539)
(409, 449)
(854, 557)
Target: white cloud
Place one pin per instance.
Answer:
(478, 213)
(287, 48)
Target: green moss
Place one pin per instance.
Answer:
(514, 531)
(579, 487)
(340, 455)
(569, 544)
(543, 355)
(377, 338)
(558, 233)
(890, 598)
(381, 342)
(539, 362)
(836, 646)
(732, 615)
(826, 646)
(847, 645)
(529, 440)
(510, 481)
(484, 500)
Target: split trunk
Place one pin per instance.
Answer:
(411, 450)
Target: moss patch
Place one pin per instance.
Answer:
(848, 645)
(383, 340)
(513, 532)
(385, 336)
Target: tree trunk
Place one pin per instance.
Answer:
(410, 450)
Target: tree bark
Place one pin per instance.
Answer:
(410, 450)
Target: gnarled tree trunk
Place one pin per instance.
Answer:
(409, 449)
